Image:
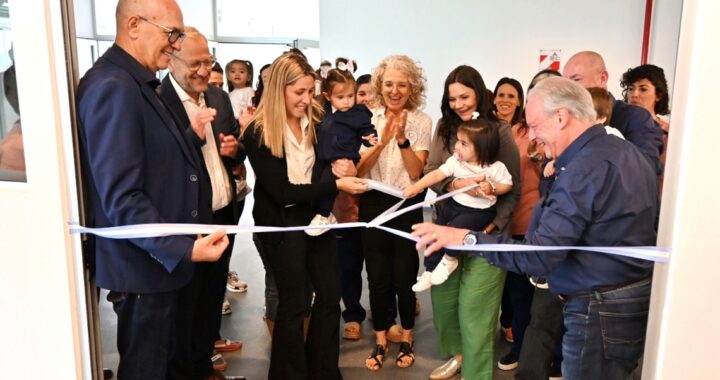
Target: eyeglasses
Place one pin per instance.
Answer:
(174, 35)
(195, 65)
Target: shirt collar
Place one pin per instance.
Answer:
(133, 66)
(183, 95)
(578, 144)
(304, 122)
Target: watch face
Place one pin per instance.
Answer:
(470, 239)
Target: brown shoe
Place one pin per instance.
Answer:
(227, 345)
(352, 331)
(219, 363)
(394, 333)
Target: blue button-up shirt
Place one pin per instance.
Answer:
(605, 194)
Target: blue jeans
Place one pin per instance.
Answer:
(605, 332)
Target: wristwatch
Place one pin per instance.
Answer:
(470, 239)
(404, 145)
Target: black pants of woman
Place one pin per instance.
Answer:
(391, 261)
(296, 259)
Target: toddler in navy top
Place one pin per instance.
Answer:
(345, 126)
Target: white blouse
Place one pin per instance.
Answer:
(390, 168)
(299, 155)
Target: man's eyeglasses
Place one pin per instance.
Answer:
(173, 34)
(195, 65)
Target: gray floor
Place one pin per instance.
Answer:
(246, 324)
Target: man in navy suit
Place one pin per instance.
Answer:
(635, 123)
(207, 116)
(139, 167)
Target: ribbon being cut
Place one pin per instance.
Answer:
(650, 253)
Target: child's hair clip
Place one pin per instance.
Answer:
(475, 115)
(349, 66)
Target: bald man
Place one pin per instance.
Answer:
(588, 69)
(139, 167)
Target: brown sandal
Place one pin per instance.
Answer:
(352, 331)
(380, 351)
(406, 350)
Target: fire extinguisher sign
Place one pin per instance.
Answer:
(550, 59)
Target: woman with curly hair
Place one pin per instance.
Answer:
(645, 86)
(397, 159)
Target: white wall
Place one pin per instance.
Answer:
(682, 333)
(42, 323)
(497, 38)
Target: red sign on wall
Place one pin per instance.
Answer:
(550, 59)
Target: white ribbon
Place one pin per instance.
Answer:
(134, 231)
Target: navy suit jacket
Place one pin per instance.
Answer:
(139, 168)
(638, 127)
(224, 123)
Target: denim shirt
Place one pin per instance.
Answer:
(604, 194)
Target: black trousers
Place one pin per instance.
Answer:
(145, 333)
(542, 336)
(295, 259)
(454, 214)
(199, 311)
(391, 261)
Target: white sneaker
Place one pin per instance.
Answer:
(444, 270)
(423, 282)
(320, 220)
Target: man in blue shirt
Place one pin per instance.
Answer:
(604, 195)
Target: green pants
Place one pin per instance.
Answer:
(465, 313)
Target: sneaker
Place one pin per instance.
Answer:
(234, 284)
(444, 270)
(320, 220)
(226, 309)
(423, 283)
(508, 362)
(555, 373)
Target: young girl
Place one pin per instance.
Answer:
(240, 78)
(345, 127)
(475, 155)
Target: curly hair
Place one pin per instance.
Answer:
(656, 76)
(412, 70)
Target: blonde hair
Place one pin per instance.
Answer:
(407, 66)
(271, 116)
